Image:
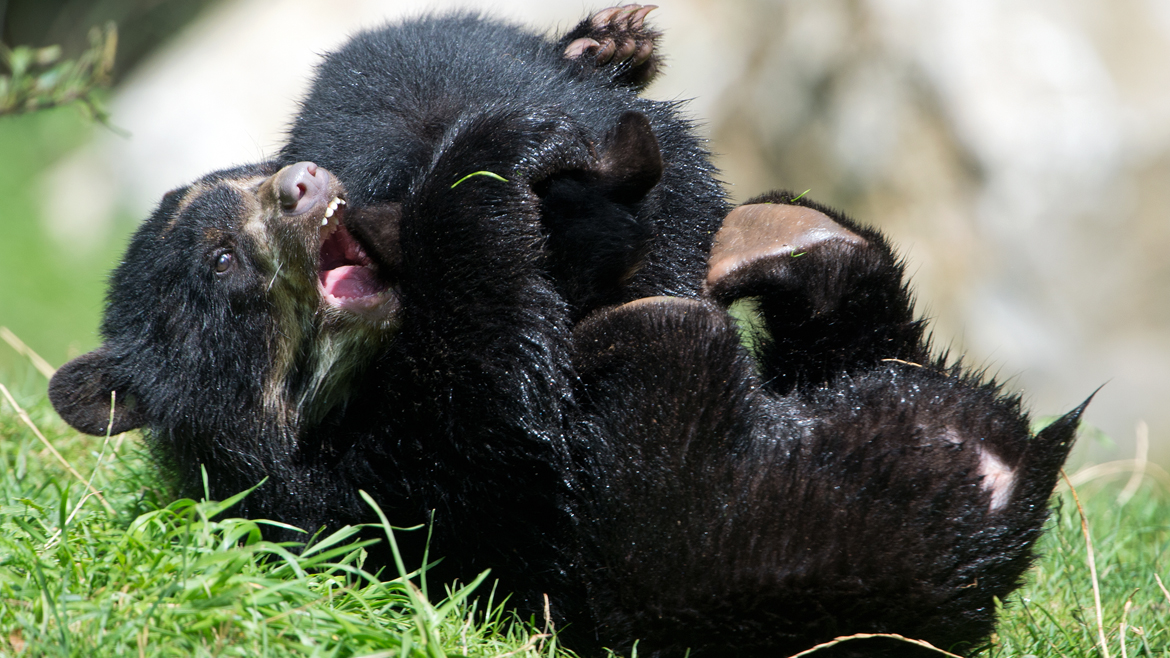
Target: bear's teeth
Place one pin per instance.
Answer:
(337, 201)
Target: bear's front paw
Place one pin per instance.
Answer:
(472, 219)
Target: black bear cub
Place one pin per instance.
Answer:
(476, 285)
(844, 481)
(628, 198)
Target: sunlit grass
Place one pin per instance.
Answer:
(152, 576)
(1055, 613)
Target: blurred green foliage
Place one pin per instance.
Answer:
(37, 78)
(49, 297)
(143, 25)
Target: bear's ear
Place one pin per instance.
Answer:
(631, 162)
(80, 392)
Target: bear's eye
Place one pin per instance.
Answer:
(224, 262)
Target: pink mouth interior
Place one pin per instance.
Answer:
(347, 273)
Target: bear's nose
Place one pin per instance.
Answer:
(301, 186)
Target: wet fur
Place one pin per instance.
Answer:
(633, 462)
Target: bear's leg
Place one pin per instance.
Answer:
(471, 406)
(829, 291)
(672, 404)
(914, 501)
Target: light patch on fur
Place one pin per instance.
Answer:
(247, 187)
(316, 353)
(764, 230)
(289, 294)
(996, 478)
(289, 334)
(192, 193)
(337, 356)
(256, 223)
(951, 436)
(329, 363)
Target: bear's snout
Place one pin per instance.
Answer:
(301, 186)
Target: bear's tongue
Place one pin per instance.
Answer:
(350, 281)
(346, 271)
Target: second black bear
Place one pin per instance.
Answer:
(430, 325)
(629, 202)
(847, 482)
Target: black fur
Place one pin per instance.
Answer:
(383, 103)
(727, 519)
(632, 462)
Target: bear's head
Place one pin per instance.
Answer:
(241, 308)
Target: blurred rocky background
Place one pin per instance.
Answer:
(1017, 151)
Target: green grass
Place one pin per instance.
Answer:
(1056, 614)
(152, 576)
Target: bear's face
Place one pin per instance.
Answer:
(241, 304)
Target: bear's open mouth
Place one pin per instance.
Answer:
(347, 277)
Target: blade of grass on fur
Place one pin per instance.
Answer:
(1092, 566)
(489, 174)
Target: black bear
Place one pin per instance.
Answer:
(844, 481)
(253, 369)
(454, 320)
(628, 209)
